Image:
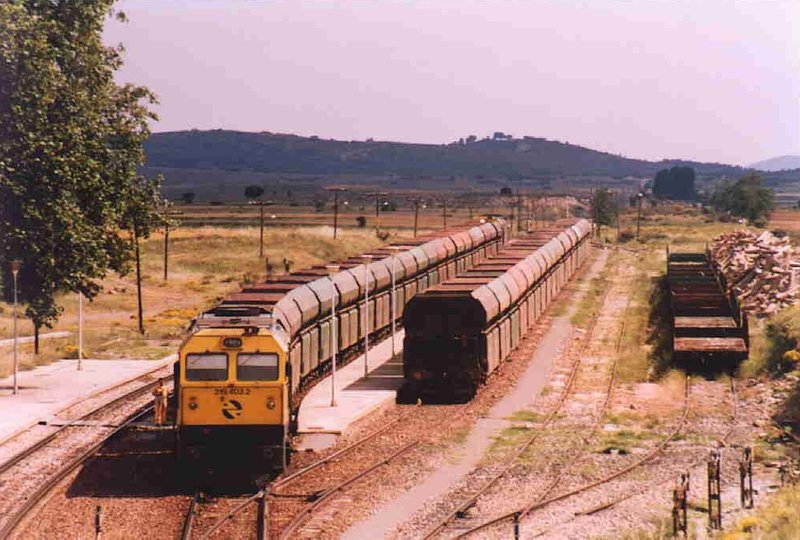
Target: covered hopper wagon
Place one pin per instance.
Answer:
(460, 330)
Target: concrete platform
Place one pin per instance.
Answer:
(356, 395)
(47, 390)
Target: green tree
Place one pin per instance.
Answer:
(746, 198)
(675, 183)
(604, 208)
(70, 142)
(188, 197)
(253, 192)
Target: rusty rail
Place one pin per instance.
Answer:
(522, 513)
(301, 517)
(472, 499)
(188, 520)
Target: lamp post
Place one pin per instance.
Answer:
(367, 259)
(332, 270)
(394, 249)
(15, 264)
(80, 331)
(640, 196)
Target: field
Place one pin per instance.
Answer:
(204, 264)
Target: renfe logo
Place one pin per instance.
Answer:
(231, 409)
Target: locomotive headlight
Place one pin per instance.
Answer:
(193, 403)
(270, 403)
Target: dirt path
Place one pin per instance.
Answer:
(387, 520)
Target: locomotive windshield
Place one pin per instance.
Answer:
(206, 367)
(257, 367)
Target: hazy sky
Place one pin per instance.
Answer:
(707, 80)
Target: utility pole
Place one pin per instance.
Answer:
(378, 195)
(15, 265)
(416, 216)
(367, 260)
(444, 213)
(261, 232)
(166, 238)
(336, 191)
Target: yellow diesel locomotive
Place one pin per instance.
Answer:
(244, 367)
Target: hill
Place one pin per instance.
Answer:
(216, 163)
(780, 163)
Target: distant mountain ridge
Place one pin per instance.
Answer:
(779, 163)
(527, 157)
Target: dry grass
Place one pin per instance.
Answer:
(205, 263)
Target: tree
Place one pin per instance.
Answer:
(70, 144)
(253, 192)
(745, 198)
(140, 218)
(188, 197)
(604, 208)
(675, 183)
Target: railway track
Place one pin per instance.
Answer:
(275, 491)
(461, 510)
(63, 451)
(523, 512)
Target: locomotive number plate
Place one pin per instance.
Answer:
(231, 391)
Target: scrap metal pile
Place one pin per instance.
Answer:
(763, 270)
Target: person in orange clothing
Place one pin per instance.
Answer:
(160, 395)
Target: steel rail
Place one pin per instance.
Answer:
(472, 499)
(294, 476)
(302, 472)
(725, 437)
(54, 479)
(299, 518)
(92, 395)
(15, 459)
(521, 513)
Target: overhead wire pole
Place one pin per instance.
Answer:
(416, 216)
(332, 270)
(444, 213)
(394, 249)
(336, 191)
(261, 232)
(367, 259)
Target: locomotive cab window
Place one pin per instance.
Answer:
(206, 367)
(257, 367)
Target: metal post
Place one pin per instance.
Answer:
(746, 478)
(714, 500)
(166, 238)
(80, 331)
(394, 299)
(98, 521)
(332, 270)
(335, 213)
(516, 525)
(261, 518)
(15, 264)
(444, 214)
(416, 217)
(261, 233)
(640, 196)
(367, 260)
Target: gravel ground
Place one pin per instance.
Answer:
(21, 480)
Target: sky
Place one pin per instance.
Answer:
(708, 80)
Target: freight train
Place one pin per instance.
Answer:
(459, 331)
(242, 370)
(709, 330)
